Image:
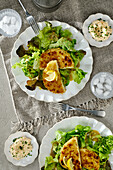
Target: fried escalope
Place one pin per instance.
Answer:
(89, 159)
(71, 150)
(63, 58)
(56, 85)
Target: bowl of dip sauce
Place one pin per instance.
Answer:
(98, 30)
(21, 148)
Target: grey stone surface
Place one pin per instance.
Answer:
(70, 11)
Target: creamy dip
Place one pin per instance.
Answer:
(21, 147)
(100, 30)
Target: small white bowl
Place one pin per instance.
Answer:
(104, 77)
(88, 36)
(26, 160)
(10, 13)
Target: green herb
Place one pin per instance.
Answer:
(25, 142)
(21, 147)
(14, 139)
(99, 19)
(29, 154)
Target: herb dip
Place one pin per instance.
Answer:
(21, 147)
(100, 30)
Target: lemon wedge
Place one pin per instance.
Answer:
(51, 75)
(70, 165)
(65, 161)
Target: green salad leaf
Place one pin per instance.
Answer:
(65, 74)
(65, 33)
(29, 64)
(78, 75)
(103, 148)
(64, 43)
(51, 164)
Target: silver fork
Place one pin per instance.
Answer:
(57, 107)
(30, 19)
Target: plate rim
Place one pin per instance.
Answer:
(52, 98)
(60, 122)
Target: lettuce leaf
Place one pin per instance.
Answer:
(103, 148)
(78, 75)
(64, 43)
(77, 57)
(29, 64)
(65, 74)
(51, 164)
(65, 33)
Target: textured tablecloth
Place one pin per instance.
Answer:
(73, 12)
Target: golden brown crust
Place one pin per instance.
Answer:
(63, 58)
(89, 159)
(55, 86)
(71, 150)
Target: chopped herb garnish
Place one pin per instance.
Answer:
(29, 154)
(25, 142)
(21, 147)
(14, 139)
(99, 19)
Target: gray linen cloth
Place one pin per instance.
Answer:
(29, 109)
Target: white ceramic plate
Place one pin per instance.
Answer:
(88, 36)
(73, 88)
(27, 160)
(66, 125)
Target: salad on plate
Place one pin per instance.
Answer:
(51, 60)
(81, 148)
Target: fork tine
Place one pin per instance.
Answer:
(30, 19)
(33, 24)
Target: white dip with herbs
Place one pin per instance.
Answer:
(21, 148)
(100, 30)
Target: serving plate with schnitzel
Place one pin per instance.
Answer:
(76, 142)
(64, 62)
